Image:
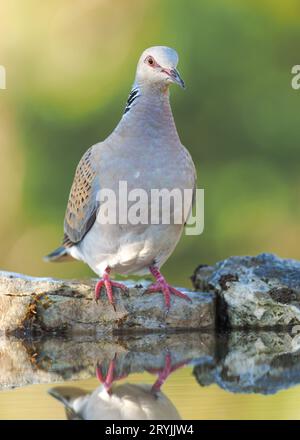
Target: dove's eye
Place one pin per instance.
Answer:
(150, 61)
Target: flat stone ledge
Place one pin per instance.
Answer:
(30, 305)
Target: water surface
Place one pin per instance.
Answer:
(238, 375)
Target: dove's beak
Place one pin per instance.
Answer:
(174, 76)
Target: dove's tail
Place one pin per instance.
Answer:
(58, 255)
(67, 395)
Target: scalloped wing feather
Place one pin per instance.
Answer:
(82, 205)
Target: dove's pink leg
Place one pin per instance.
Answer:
(108, 284)
(110, 377)
(163, 375)
(166, 371)
(161, 285)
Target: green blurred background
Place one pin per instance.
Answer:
(70, 65)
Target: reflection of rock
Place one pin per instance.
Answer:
(38, 305)
(262, 362)
(259, 292)
(56, 359)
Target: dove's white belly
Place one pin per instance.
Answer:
(129, 251)
(125, 402)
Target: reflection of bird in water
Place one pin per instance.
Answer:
(119, 402)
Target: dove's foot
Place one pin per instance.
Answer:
(164, 373)
(161, 285)
(110, 377)
(108, 284)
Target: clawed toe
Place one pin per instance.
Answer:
(108, 284)
(167, 291)
(178, 293)
(162, 286)
(121, 286)
(110, 377)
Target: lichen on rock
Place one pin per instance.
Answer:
(255, 292)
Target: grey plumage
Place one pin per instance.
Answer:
(145, 151)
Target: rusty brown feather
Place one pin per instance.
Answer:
(82, 204)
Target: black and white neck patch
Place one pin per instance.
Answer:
(135, 93)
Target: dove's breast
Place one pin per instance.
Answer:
(129, 168)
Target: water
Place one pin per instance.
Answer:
(237, 375)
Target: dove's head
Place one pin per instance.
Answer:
(157, 66)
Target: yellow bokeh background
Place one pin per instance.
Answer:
(70, 65)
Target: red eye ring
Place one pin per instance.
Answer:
(150, 61)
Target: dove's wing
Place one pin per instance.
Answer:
(82, 205)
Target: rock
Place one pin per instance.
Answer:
(253, 292)
(253, 362)
(57, 359)
(31, 305)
